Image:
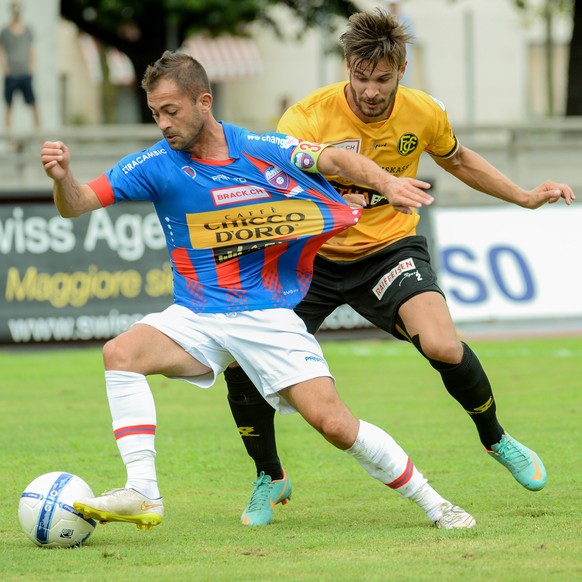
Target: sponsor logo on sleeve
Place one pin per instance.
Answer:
(284, 142)
(141, 158)
(353, 145)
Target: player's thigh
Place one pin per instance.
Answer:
(322, 298)
(427, 314)
(275, 350)
(378, 284)
(146, 350)
(313, 312)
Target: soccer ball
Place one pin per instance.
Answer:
(46, 511)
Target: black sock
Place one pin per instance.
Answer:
(255, 419)
(468, 384)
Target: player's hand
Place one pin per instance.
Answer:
(550, 192)
(56, 159)
(355, 200)
(407, 193)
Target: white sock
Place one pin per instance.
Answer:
(133, 413)
(429, 500)
(384, 459)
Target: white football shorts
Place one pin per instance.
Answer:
(271, 345)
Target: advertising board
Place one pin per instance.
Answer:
(82, 279)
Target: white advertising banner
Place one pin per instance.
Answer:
(508, 262)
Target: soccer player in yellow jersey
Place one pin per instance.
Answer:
(380, 267)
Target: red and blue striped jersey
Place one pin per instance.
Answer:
(241, 233)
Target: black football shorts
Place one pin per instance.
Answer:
(374, 286)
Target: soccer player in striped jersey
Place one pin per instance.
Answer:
(243, 216)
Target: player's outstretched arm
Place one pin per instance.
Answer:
(403, 193)
(472, 169)
(71, 198)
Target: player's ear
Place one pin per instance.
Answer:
(205, 101)
(402, 70)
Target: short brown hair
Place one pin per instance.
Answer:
(373, 36)
(186, 72)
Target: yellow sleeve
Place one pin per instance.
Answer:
(296, 121)
(445, 144)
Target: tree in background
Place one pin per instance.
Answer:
(143, 29)
(574, 95)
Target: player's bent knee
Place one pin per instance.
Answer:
(115, 355)
(442, 350)
(337, 430)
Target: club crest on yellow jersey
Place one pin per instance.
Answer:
(407, 143)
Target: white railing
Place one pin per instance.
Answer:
(528, 154)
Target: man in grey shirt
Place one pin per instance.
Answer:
(17, 57)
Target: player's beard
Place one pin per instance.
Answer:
(186, 142)
(377, 109)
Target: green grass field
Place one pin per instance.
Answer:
(340, 524)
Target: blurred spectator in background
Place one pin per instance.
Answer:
(18, 61)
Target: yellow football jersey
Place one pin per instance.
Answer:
(418, 123)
